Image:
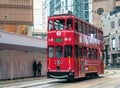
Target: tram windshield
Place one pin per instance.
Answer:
(59, 51)
(59, 24)
(50, 51)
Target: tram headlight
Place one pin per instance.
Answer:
(67, 39)
(50, 39)
(70, 73)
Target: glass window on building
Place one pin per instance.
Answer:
(119, 41)
(66, 4)
(86, 6)
(119, 22)
(113, 43)
(112, 24)
(86, 0)
(62, 3)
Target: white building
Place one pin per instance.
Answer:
(111, 28)
(45, 13)
(38, 14)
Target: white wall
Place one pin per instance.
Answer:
(15, 64)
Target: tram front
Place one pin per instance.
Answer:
(60, 47)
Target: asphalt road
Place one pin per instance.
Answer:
(111, 79)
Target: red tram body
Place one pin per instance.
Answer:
(75, 48)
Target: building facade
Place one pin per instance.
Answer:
(46, 12)
(16, 16)
(100, 7)
(111, 28)
(80, 8)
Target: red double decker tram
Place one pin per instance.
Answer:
(75, 48)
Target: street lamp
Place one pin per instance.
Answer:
(5, 17)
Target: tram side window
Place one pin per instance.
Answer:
(50, 52)
(95, 54)
(101, 54)
(69, 23)
(89, 53)
(94, 33)
(89, 31)
(80, 27)
(99, 35)
(92, 53)
(59, 51)
(50, 24)
(76, 51)
(59, 24)
(76, 25)
(80, 52)
(84, 29)
(85, 53)
(67, 51)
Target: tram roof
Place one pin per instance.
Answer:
(70, 15)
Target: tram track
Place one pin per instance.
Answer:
(109, 83)
(55, 83)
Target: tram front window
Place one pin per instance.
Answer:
(68, 51)
(59, 51)
(59, 24)
(50, 24)
(50, 52)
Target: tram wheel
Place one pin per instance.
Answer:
(70, 79)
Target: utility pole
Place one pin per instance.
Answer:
(5, 17)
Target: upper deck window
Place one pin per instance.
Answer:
(69, 24)
(80, 28)
(84, 28)
(59, 24)
(76, 25)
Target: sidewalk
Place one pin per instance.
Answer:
(2, 82)
(109, 71)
